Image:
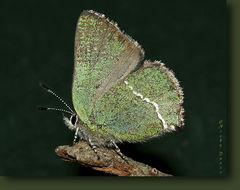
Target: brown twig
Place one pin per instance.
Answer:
(109, 162)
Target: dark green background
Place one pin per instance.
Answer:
(37, 40)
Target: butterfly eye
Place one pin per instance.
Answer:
(73, 119)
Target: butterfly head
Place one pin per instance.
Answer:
(74, 119)
(71, 122)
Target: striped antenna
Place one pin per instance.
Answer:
(54, 109)
(54, 94)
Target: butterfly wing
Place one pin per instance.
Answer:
(103, 56)
(143, 105)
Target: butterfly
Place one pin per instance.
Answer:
(117, 95)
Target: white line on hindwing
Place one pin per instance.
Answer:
(148, 101)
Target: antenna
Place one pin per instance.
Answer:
(54, 94)
(54, 109)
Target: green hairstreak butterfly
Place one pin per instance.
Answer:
(117, 95)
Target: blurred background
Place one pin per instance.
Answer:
(37, 39)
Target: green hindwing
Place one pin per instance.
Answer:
(144, 104)
(103, 56)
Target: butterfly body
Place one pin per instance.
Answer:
(117, 96)
(87, 132)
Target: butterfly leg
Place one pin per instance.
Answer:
(117, 149)
(94, 148)
(75, 135)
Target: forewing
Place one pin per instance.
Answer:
(103, 56)
(143, 105)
